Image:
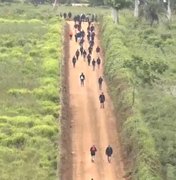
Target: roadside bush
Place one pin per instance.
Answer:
(125, 72)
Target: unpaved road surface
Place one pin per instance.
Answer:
(91, 125)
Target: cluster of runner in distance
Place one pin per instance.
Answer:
(86, 53)
(80, 37)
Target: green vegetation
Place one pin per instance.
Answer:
(30, 56)
(140, 69)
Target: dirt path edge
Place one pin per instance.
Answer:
(65, 170)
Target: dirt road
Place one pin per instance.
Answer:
(89, 123)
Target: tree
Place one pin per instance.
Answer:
(168, 9)
(96, 2)
(136, 8)
(117, 5)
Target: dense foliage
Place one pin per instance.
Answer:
(30, 56)
(141, 71)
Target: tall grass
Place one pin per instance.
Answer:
(30, 92)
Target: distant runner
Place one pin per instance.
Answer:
(93, 64)
(93, 150)
(77, 54)
(70, 35)
(98, 49)
(98, 62)
(88, 59)
(84, 54)
(100, 81)
(82, 78)
(102, 100)
(109, 152)
(74, 61)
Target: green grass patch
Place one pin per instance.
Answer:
(30, 57)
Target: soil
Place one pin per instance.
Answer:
(86, 123)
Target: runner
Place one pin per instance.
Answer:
(82, 78)
(102, 100)
(109, 152)
(81, 50)
(90, 49)
(97, 49)
(98, 62)
(100, 81)
(70, 35)
(74, 61)
(84, 54)
(93, 64)
(88, 59)
(77, 54)
(93, 150)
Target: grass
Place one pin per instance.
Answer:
(30, 90)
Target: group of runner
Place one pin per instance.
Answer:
(86, 54)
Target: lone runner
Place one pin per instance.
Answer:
(102, 100)
(93, 150)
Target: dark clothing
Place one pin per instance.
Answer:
(81, 50)
(100, 80)
(98, 61)
(109, 151)
(69, 14)
(89, 59)
(77, 54)
(93, 64)
(76, 38)
(84, 54)
(102, 98)
(74, 61)
(98, 49)
(90, 50)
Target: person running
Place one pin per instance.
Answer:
(88, 59)
(76, 38)
(70, 35)
(81, 50)
(98, 49)
(74, 61)
(100, 81)
(93, 150)
(69, 15)
(102, 100)
(84, 54)
(77, 54)
(82, 78)
(98, 62)
(93, 64)
(90, 49)
(109, 152)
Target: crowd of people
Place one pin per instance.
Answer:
(80, 17)
(86, 54)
